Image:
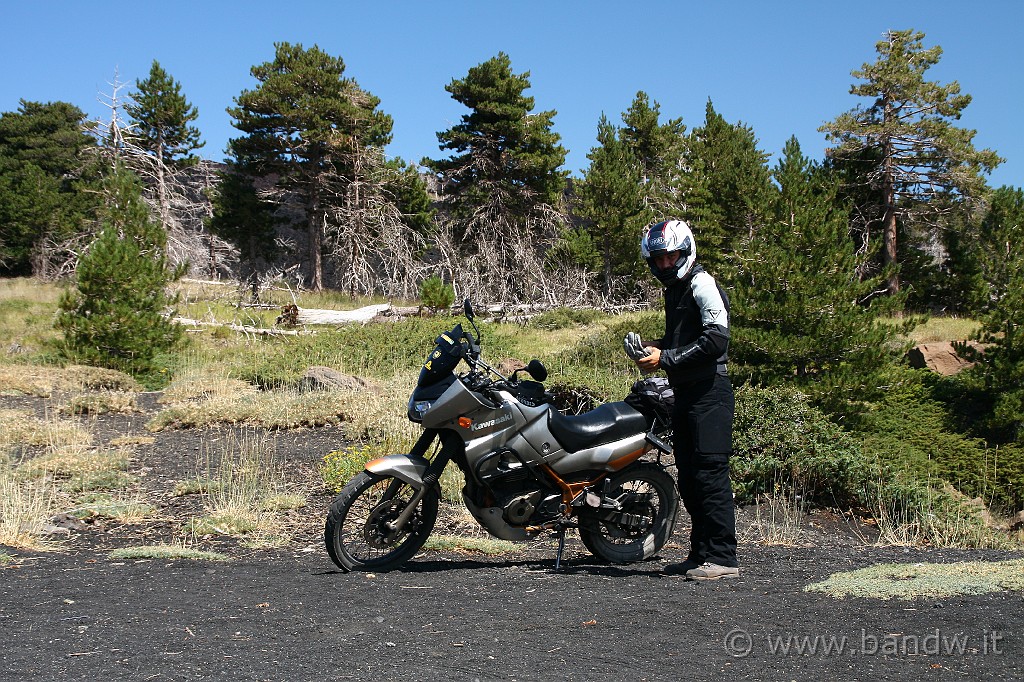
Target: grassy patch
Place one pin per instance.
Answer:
(229, 521)
(243, 489)
(923, 580)
(26, 315)
(283, 501)
(944, 329)
(167, 553)
(272, 409)
(194, 486)
(21, 427)
(112, 506)
(456, 543)
(43, 381)
(195, 387)
(76, 461)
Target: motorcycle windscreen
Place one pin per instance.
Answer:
(442, 360)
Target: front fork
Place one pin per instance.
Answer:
(450, 444)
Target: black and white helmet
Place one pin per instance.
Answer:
(666, 237)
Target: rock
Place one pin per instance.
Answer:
(68, 521)
(939, 356)
(54, 531)
(326, 379)
(1017, 522)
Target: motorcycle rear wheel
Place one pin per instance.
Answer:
(650, 493)
(357, 534)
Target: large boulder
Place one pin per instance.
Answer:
(939, 356)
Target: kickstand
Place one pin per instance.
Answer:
(561, 548)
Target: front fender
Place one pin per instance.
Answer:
(407, 468)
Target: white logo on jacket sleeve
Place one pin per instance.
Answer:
(709, 300)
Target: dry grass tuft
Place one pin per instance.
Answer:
(243, 489)
(25, 507)
(105, 402)
(167, 553)
(45, 381)
(778, 520)
(21, 427)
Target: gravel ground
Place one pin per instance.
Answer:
(73, 613)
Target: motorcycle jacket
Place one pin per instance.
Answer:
(696, 341)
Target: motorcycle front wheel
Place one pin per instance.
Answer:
(357, 532)
(643, 525)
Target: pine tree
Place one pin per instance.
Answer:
(637, 175)
(506, 161)
(243, 219)
(800, 313)
(312, 128)
(44, 183)
(1001, 364)
(119, 314)
(611, 203)
(732, 178)
(408, 190)
(162, 118)
(904, 146)
(659, 149)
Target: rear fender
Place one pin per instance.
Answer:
(407, 468)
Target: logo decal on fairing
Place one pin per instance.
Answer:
(479, 426)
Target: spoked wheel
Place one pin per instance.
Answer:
(643, 524)
(358, 533)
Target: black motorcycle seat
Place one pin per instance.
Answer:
(604, 424)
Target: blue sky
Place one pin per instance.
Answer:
(781, 67)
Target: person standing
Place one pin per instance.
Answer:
(693, 353)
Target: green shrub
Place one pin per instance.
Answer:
(565, 318)
(912, 431)
(435, 294)
(781, 441)
(341, 466)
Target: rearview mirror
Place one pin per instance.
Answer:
(537, 370)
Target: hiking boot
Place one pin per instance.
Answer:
(710, 571)
(684, 567)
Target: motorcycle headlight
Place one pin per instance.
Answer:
(417, 408)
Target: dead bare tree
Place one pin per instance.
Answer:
(496, 247)
(177, 195)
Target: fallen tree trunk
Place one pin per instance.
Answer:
(241, 328)
(292, 315)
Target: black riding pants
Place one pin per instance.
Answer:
(702, 441)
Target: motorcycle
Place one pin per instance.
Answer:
(528, 468)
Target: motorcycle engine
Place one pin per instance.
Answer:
(520, 508)
(516, 491)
